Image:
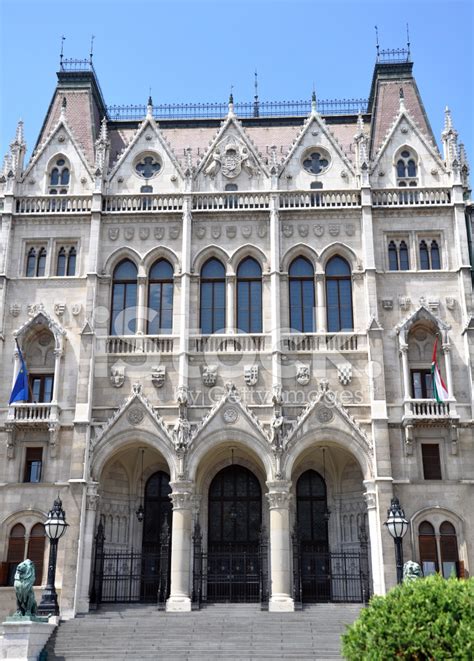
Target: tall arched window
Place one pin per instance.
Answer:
(449, 549)
(430, 255)
(36, 550)
(212, 296)
(424, 256)
(428, 549)
(435, 259)
(160, 298)
(41, 265)
(301, 279)
(59, 177)
(404, 258)
(61, 262)
(406, 168)
(339, 295)
(392, 256)
(31, 263)
(124, 299)
(249, 296)
(16, 550)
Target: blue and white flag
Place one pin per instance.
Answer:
(20, 389)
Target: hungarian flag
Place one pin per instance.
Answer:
(440, 391)
(20, 389)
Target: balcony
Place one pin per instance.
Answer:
(428, 410)
(230, 201)
(337, 342)
(220, 343)
(33, 413)
(319, 199)
(143, 203)
(139, 344)
(411, 197)
(59, 204)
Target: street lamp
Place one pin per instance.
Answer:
(55, 527)
(397, 526)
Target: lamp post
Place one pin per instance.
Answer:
(55, 527)
(397, 525)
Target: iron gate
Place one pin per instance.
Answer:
(329, 576)
(230, 572)
(129, 576)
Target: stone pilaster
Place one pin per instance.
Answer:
(279, 497)
(183, 505)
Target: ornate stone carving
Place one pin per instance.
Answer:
(411, 571)
(92, 496)
(230, 156)
(59, 309)
(209, 375)
(404, 302)
(76, 308)
(370, 498)
(387, 303)
(117, 376)
(350, 229)
(129, 233)
(135, 415)
(246, 231)
(15, 309)
(287, 230)
(303, 375)
(251, 375)
(433, 304)
(231, 231)
(450, 302)
(230, 415)
(324, 415)
(262, 231)
(334, 229)
(216, 231)
(181, 432)
(200, 231)
(144, 233)
(344, 374)
(114, 233)
(303, 230)
(174, 231)
(158, 375)
(159, 233)
(318, 230)
(279, 495)
(182, 495)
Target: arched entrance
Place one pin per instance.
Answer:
(158, 517)
(234, 525)
(312, 529)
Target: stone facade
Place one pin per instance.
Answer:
(277, 402)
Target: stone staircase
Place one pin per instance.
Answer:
(218, 632)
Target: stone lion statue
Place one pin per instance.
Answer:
(411, 571)
(24, 580)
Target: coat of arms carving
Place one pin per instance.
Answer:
(158, 375)
(251, 375)
(209, 375)
(302, 374)
(230, 156)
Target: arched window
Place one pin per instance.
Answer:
(16, 550)
(160, 298)
(36, 550)
(404, 258)
(41, 265)
(428, 549)
(449, 549)
(406, 168)
(311, 501)
(301, 279)
(124, 299)
(338, 295)
(435, 259)
(424, 256)
(61, 262)
(31, 263)
(392, 256)
(213, 297)
(249, 296)
(59, 177)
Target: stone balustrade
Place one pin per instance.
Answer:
(23, 413)
(428, 408)
(133, 344)
(61, 204)
(218, 343)
(230, 201)
(411, 197)
(319, 199)
(302, 342)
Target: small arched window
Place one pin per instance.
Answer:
(16, 550)
(449, 549)
(435, 259)
(41, 264)
(59, 177)
(302, 302)
(339, 295)
(160, 298)
(424, 256)
(428, 548)
(61, 262)
(213, 298)
(430, 257)
(71, 261)
(249, 296)
(36, 550)
(406, 168)
(31, 263)
(124, 299)
(398, 259)
(392, 256)
(404, 258)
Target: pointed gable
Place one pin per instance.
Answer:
(232, 158)
(315, 138)
(148, 141)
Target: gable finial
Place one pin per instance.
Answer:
(448, 121)
(408, 43)
(63, 108)
(377, 41)
(402, 99)
(63, 39)
(256, 105)
(231, 100)
(314, 103)
(92, 49)
(149, 105)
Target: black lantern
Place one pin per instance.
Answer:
(55, 526)
(397, 525)
(140, 512)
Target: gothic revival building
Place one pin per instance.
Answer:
(228, 316)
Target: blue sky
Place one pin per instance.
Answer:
(194, 50)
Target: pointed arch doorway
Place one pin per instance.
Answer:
(233, 561)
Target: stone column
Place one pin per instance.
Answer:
(275, 288)
(320, 303)
(184, 308)
(280, 547)
(182, 497)
(141, 316)
(86, 560)
(376, 551)
(449, 374)
(230, 304)
(406, 372)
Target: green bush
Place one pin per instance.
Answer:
(427, 619)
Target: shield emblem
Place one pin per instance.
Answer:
(200, 231)
(159, 232)
(129, 233)
(216, 231)
(246, 231)
(174, 231)
(350, 229)
(262, 231)
(334, 229)
(318, 230)
(114, 233)
(231, 231)
(287, 230)
(303, 230)
(144, 233)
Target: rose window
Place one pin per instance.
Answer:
(148, 167)
(316, 162)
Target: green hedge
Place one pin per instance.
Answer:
(426, 619)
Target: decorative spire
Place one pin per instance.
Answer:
(20, 134)
(314, 103)
(402, 99)
(149, 108)
(462, 154)
(256, 104)
(448, 121)
(231, 101)
(63, 108)
(103, 135)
